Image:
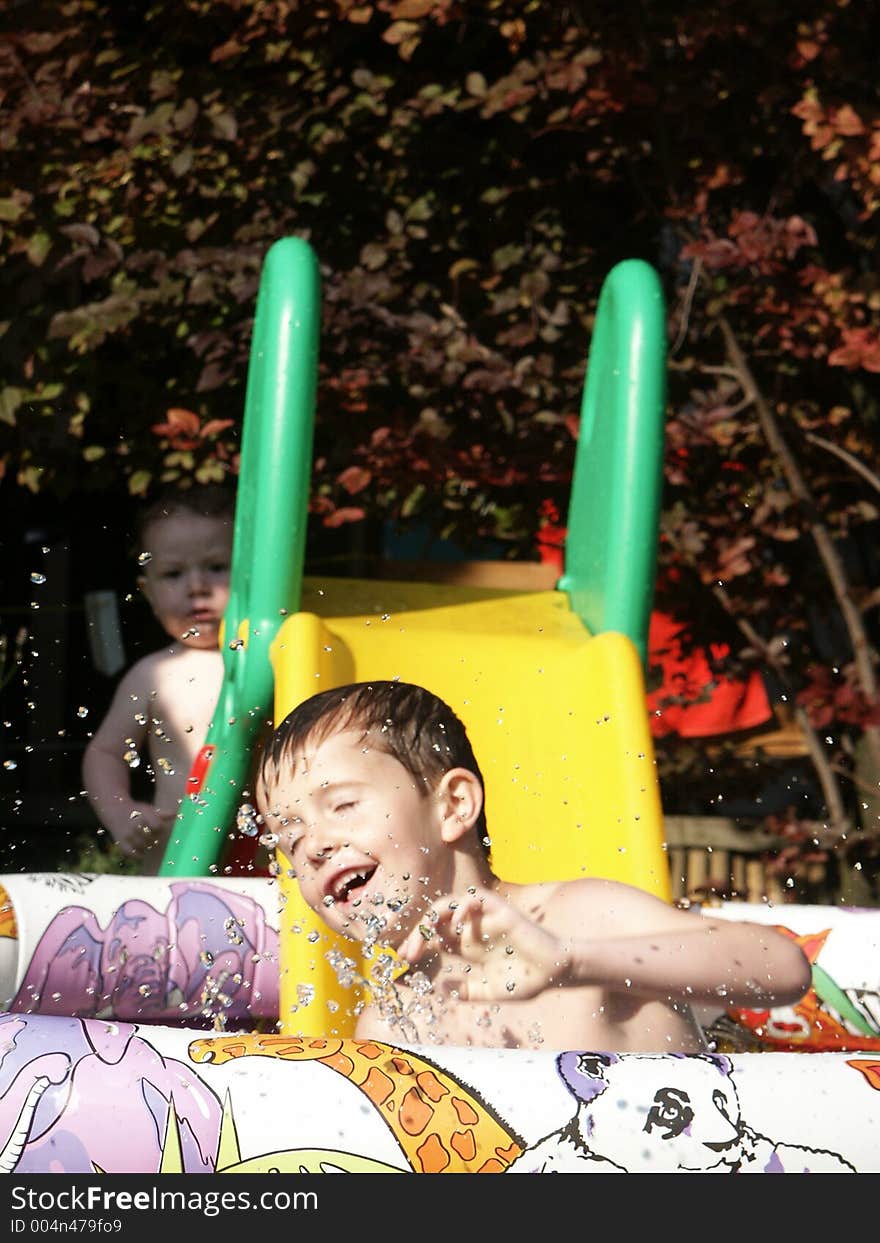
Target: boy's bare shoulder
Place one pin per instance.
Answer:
(144, 681)
(142, 674)
(609, 907)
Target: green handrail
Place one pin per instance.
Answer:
(614, 509)
(268, 546)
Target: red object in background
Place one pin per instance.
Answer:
(241, 858)
(197, 773)
(692, 700)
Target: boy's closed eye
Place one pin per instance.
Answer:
(290, 835)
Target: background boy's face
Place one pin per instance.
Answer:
(186, 579)
(363, 837)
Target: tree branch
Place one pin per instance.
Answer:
(825, 771)
(859, 467)
(864, 656)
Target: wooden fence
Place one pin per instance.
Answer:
(714, 858)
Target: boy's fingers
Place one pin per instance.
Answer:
(413, 947)
(460, 925)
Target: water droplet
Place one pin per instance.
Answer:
(10, 765)
(247, 821)
(144, 558)
(38, 578)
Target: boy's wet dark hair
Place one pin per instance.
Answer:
(207, 500)
(406, 721)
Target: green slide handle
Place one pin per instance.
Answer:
(268, 549)
(830, 992)
(614, 508)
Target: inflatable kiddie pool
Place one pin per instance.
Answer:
(202, 1021)
(111, 1058)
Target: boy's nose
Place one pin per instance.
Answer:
(196, 581)
(320, 844)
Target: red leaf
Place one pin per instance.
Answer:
(214, 426)
(354, 479)
(340, 517)
(179, 421)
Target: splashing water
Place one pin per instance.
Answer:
(248, 820)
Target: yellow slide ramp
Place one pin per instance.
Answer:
(558, 723)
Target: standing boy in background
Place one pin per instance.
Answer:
(184, 546)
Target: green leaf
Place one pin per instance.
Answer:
(420, 209)
(373, 256)
(10, 399)
(413, 501)
(139, 482)
(38, 248)
(506, 256)
(11, 209)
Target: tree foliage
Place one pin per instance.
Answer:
(468, 174)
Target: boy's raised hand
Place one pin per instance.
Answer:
(482, 948)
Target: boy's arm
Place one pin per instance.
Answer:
(683, 955)
(106, 773)
(633, 941)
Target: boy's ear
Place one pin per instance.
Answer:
(460, 793)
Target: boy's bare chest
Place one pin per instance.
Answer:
(183, 700)
(432, 1018)
(565, 1018)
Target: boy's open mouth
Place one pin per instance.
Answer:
(350, 882)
